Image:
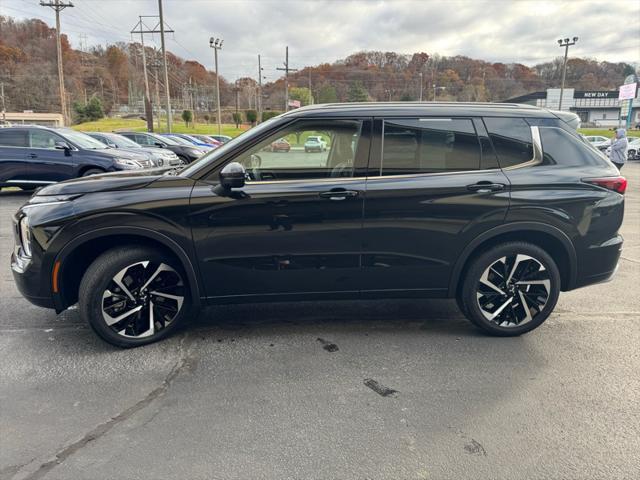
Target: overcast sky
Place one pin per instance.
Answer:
(320, 31)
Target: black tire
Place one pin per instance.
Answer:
(92, 171)
(99, 278)
(533, 265)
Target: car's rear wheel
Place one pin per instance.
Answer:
(134, 296)
(510, 289)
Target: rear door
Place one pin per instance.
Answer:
(434, 186)
(14, 167)
(49, 164)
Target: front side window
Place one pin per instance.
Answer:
(307, 149)
(429, 145)
(44, 139)
(512, 140)
(144, 140)
(13, 138)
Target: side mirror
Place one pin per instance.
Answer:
(158, 144)
(232, 176)
(60, 145)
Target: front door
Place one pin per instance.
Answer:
(49, 164)
(295, 227)
(435, 188)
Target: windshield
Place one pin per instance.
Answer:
(213, 155)
(164, 140)
(82, 140)
(122, 142)
(180, 141)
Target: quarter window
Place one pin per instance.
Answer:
(13, 138)
(429, 145)
(511, 138)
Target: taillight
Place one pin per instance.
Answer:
(617, 184)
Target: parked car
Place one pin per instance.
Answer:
(315, 144)
(598, 141)
(633, 152)
(280, 145)
(497, 205)
(188, 140)
(207, 139)
(187, 153)
(159, 156)
(33, 156)
(221, 138)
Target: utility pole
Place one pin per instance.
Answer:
(166, 70)
(4, 106)
(421, 82)
(216, 44)
(311, 91)
(58, 6)
(259, 99)
(566, 43)
(286, 71)
(142, 29)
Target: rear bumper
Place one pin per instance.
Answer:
(599, 263)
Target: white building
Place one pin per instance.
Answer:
(596, 108)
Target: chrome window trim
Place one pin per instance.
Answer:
(28, 181)
(537, 151)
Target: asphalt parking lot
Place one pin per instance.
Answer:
(354, 390)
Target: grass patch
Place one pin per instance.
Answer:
(135, 124)
(605, 132)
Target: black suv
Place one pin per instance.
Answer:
(33, 156)
(187, 153)
(499, 206)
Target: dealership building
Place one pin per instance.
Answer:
(595, 108)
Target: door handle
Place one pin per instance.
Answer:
(485, 187)
(339, 194)
(32, 155)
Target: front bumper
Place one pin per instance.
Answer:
(29, 280)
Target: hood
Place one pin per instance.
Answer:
(127, 180)
(621, 133)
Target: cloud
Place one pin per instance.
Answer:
(318, 31)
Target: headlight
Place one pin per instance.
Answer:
(25, 236)
(126, 163)
(195, 151)
(42, 200)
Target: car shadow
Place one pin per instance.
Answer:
(436, 316)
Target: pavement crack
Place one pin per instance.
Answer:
(185, 363)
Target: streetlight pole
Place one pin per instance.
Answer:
(216, 44)
(420, 86)
(166, 70)
(566, 43)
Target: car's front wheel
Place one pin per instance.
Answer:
(133, 296)
(510, 289)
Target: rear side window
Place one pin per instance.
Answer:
(563, 148)
(511, 138)
(13, 138)
(429, 145)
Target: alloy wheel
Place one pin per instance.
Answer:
(513, 290)
(142, 299)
